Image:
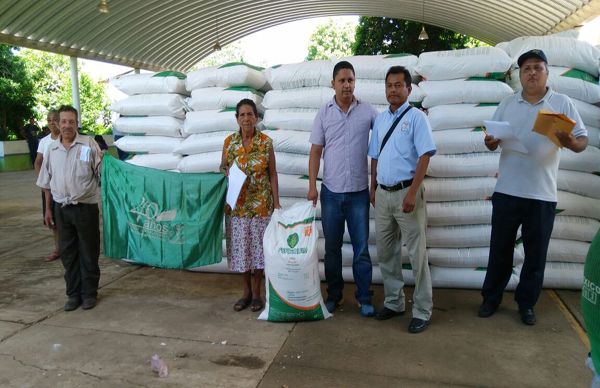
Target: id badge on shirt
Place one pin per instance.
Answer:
(84, 153)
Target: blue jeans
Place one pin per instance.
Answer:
(336, 210)
(536, 219)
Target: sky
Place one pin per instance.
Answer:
(287, 43)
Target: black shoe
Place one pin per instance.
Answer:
(88, 303)
(386, 313)
(527, 316)
(487, 309)
(417, 325)
(331, 305)
(72, 304)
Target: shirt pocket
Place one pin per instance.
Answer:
(403, 141)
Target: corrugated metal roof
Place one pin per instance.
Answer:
(176, 34)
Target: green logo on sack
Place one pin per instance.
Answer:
(292, 240)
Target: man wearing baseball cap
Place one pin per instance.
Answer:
(525, 193)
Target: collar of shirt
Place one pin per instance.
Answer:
(398, 111)
(333, 103)
(547, 96)
(59, 144)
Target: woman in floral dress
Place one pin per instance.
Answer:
(245, 225)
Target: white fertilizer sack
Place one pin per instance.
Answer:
(459, 141)
(298, 119)
(464, 63)
(164, 82)
(310, 97)
(148, 144)
(201, 143)
(151, 105)
(460, 115)
(458, 189)
(210, 121)
(157, 161)
(464, 165)
(299, 75)
(152, 126)
(293, 286)
(221, 98)
(228, 75)
(463, 91)
(579, 183)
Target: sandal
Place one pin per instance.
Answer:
(53, 256)
(256, 305)
(242, 304)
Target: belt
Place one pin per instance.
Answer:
(398, 186)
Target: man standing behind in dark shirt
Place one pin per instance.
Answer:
(30, 132)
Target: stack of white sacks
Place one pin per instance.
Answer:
(460, 89)
(461, 178)
(215, 92)
(574, 69)
(151, 117)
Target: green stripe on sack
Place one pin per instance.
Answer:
(487, 104)
(231, 64)
(478, 129)
(407, 266)
(498, 75)
(582, 75)
(170, 74)
(308, 220)
(279, 311)
(398, 55)
(556, 211)
(246, 89)
(227, 110)
(483, 79)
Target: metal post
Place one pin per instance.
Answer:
(75, 88)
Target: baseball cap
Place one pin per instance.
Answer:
(535, 53)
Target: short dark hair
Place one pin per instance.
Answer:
(400, 70)
(246, 101)
(342, 65)
(67, 108)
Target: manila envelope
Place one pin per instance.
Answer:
(548, 122)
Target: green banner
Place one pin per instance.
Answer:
(160, 218)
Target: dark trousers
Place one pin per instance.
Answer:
(79, 244)
(536, 219)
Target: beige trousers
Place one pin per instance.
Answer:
(392, 228)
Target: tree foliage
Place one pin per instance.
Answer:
(381, 35)
(16, 99)
(331, 40)
(52, 88)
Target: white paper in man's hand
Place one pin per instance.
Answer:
(503, 131)
(236, 181)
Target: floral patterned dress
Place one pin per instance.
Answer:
(245, 225)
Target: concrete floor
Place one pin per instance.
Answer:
(187, 319)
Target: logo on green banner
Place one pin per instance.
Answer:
(153, 223)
